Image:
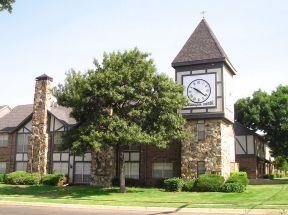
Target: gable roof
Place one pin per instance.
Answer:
(202, 47)
(21, 113)
(63, 114)
(241, 130)
(18, 114)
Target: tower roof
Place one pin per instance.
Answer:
(44, 77)
(202, 47)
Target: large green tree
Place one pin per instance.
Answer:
(6, 5)
(268, 113)
(123, 101)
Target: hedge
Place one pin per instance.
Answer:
(232, 187)
(188, 185)
(2, 177)
(22, 178)
(209, 183)
(240, 177)
(56, 179)
(173, 184)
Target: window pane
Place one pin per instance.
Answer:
(127, 170)
(201, 168)
(3, 140)
(201, 127)
(134, 156)
(126, 156)
(2, 167)
(134, 170)
(21, 166)
(78, 168)
(19, 157)
(201, 135)
(162, 170)
(87, 168)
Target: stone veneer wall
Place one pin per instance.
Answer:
(227, 149)
(38, 141)
(103, 167)
(212, 150)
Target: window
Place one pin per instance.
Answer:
(132, 159)
(57, 140)
(3, 140)
(2, 167)
(82, 172)
(22, 142)
(162, 170)
(200, 130)
(21, 166)
(60, 167)
(201, 168)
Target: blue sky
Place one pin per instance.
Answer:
(53, 36)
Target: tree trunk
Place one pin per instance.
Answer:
(122, 172)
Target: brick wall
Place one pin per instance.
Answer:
(248, 163)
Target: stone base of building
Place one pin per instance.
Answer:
(103, 167)
(214, 154)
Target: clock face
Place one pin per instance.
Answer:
(198, 91)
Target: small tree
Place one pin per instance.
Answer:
(6, 5)
(122, 102)
(267, 113)
(281, 163)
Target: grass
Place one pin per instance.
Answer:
(256, 196)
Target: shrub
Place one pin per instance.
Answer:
(271, 177)
(188, 185)
(266, 176)
(22, 178)
(232, 187)
(173, 184)
(54, 179)
(240, 177)
(2, 177)
(209, 183)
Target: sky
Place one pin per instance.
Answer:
(54, 36)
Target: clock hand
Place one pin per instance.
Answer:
(199, 91)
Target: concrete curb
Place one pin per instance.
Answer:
(151, 209)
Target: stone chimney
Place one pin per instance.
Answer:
(38, 141)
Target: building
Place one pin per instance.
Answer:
(252, 152)
(34, 131)
(204, 69)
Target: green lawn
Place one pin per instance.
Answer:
(256, 196)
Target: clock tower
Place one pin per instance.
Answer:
(206, 73)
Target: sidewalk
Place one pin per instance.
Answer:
(153, 209)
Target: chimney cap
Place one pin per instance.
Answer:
(44, 77)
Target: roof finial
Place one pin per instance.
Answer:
(203, 14)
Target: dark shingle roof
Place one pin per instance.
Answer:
(241, 130)
(11, 120)
(201, 47)
(63, 114)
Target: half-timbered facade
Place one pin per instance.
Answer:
(30, 135)
(252, 152)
